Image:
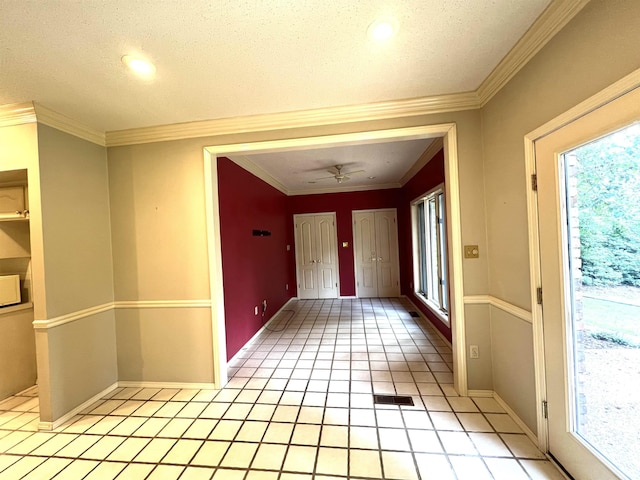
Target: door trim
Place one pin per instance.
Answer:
(616, 90)
(448, 131)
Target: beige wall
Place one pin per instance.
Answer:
(160, 254)
(164, 345)
(160, 249)
(75, 222)
(76, 360)
(597, 48)
(80, 361)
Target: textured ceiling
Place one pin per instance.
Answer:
(307, 171)
(230, 58)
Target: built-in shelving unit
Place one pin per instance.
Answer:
(15, 235)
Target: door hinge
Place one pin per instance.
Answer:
(545, 409)
(534, 182)
(539, 295)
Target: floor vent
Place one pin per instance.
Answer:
(414, 314)
(392, 400)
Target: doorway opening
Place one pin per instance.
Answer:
(449, 135)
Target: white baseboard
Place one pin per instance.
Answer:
(481, 393)
(66, 417)
(423, 317)
(179, 385)
(532, 436)
(257, 334)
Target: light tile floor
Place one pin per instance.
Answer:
(299, 406)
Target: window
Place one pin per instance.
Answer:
(430, 252)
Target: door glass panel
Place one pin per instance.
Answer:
(602, 185)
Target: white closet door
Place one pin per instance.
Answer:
(326, 256)
(316, 256)
(387, 268)
(306, 257)
(364, 250)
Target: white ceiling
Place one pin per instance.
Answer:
(308, 171)
(226, 59)
(231, 58)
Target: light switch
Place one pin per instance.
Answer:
(345, 244)
(471, 251)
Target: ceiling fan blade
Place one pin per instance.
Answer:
(351, 173)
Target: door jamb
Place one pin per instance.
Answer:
(448, 131)
(616, 90)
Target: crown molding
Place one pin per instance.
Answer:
(48, 117)
(433, 148)
(258, 171)
(550, 22)
(17, 114)
(297, 119)
(358, 188)
(31, 112)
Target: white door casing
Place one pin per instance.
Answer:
(563, 443)
(318, 137)
(316, 255)
(375, 249)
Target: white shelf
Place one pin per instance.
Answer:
(13, 217)
(15, 308)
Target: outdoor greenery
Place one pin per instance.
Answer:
(608, 176)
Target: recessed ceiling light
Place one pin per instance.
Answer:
(382, 29)
(139, 66)
(371, 178)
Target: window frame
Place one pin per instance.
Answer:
(423, 253)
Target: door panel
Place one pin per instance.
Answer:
(305, 258)
(316, 256)
(365, 254)
(387, 254)
(561, 279)
(376, 253)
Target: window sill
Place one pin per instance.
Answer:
(433, 308)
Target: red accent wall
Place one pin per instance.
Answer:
(254, 268)
(430, 176)
(343, 204)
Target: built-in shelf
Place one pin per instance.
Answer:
(15, 308)
(13, 217)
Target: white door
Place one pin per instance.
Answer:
(375, 235)
(316, 256)
(582, 431)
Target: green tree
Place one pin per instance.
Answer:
(608, 180)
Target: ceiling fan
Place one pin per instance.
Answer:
(340, 176)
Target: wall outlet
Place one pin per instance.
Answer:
(474, 351)
(255, 310)
(286, 286)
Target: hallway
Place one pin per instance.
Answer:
(299, 406)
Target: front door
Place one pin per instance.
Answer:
(588, 180)
(316, 256)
